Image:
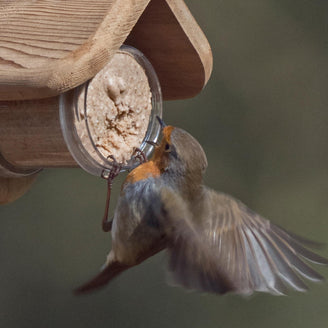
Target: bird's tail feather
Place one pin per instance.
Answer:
(111, 270)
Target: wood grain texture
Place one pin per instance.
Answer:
(30, 134)
(50, 46)
(171, 39)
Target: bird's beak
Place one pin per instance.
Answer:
(161, 122)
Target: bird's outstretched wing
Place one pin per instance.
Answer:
(191, 264)
(256, 254)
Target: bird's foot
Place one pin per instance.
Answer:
(139, 155)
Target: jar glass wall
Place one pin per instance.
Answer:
(79, 128)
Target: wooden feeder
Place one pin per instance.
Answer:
(48, 47)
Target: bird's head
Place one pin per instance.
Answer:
(179, 153)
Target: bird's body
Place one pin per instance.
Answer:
(215, 243)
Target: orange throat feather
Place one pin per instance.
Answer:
(143, 171)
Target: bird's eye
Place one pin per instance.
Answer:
(167, 147)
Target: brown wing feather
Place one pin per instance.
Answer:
(258, 255)
(191, 264)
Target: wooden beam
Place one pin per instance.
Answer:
(48, 46)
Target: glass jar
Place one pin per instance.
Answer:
(76, 127)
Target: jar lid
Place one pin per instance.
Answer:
(77, 125)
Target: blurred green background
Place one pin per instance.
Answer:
(262, 120)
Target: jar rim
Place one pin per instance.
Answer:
(69, 113)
